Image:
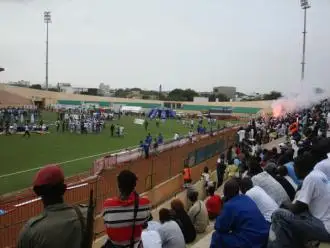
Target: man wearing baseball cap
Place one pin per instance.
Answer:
(59, 225)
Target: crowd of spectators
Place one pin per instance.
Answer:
(279, 197)
(272, 198)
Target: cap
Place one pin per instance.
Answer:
(49, 175)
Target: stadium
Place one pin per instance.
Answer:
(181, 166)
(82, 158)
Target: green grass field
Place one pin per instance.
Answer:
(19, 154)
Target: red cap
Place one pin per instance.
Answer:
(49, 175)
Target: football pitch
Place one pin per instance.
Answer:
(21, 157)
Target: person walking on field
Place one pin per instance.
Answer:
(112, 129)
(59, 224)
(27, 131)
(146, 124)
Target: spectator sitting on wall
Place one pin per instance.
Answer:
(263, 201)
(198, 213)
(118, 225)
(213, 203)
(181, 217)
(58, 225)
(170, 232)
(145, 148)
(240, 223)
(308, 218)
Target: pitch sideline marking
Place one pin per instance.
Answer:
(64, 162)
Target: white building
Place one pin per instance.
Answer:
(105, 90)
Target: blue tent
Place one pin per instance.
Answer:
(161, 113)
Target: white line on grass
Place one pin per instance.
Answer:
(65, 162)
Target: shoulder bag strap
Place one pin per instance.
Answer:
(136, 208)
(200, 209)
(82, 222)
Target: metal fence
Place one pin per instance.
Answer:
(150, 172)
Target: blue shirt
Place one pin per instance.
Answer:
(240, 224)
(160, 139)
(291, 173)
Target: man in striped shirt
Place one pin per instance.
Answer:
(119, 213)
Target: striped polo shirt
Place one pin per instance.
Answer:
(118, 218)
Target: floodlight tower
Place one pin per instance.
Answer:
(304, 5)
(47, 19)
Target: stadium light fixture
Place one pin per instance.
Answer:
(47, 20)
(304, 5)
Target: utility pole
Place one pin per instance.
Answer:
(47, 19)
(304, 5)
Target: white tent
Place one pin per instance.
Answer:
(131, 109)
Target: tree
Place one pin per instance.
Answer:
(36, 86)
(121, 93)
(145, 97)
(182, 95)
(273, 95)
(221, 97)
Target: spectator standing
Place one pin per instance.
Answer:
(124, 215)
(205, 176)
(221, 168)
(198, 213)
(182, 218)
(263, 201)
(213, 203)
(240, 223)
(307, 219)
(59, 224)
(170, 232)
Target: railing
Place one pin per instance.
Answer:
(151, 172)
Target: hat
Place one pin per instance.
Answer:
(49, 175)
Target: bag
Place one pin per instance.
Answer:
(109, 243)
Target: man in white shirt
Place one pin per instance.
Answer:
(273, 188)
(263, 201)
(241, 135)
(150, 236)
(308, 218)
(324, 166)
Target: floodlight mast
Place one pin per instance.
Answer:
(47, 20)
(304, 5)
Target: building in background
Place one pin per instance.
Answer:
(20, 83)
(105, 90)
(201, 99)
(228, 91)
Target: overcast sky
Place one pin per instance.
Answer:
(254, 45)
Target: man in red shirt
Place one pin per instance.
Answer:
(213, 203)
(124, 215)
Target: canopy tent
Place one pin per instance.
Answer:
(161, 113)
(131, 109)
